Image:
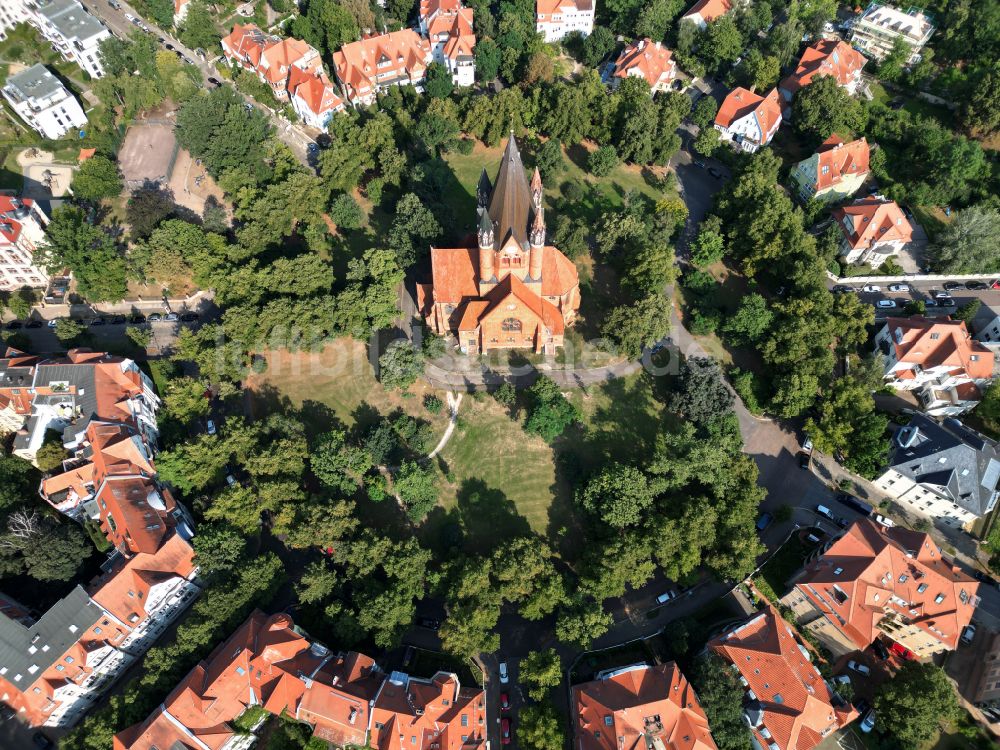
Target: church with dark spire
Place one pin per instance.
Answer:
(510, 290)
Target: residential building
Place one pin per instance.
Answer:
(788, 705)
(54, 669)
(17, 371)
(74, 33)
(893, 583)
(269, 662)
(983, 684)
(22, 230)
(638, 707)
(873, 229)
(646, 59)
(510, 291)
(270, 57)
(555, 19)
(448, 26)
(45, 105)
(875, 32)
(748, 119)
(836, 171)
(704, 12)
(180, 11)
(313, 98)
(938, 359)
(828, 57)
(13, 12)
(944, 470)
(366, 68)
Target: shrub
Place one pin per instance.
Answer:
(432, 403)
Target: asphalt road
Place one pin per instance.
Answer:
(923, 290)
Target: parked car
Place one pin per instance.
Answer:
(34, 324)
(666, 596)
(886, 303)
(505, 730)
(169, 47)
(429, 623)
(859, 667)
(968, 634)
(930, 302)
(842, 679)
(807, 445)
(880, 650)
(995, 284)
(130, 18)
(408, 656)
(115, 4)
(975, 285)
(189, 317)
(804, 459)
(868, 721)
(98, 321)
(211, 427)
(136, 318)
(214, 81)
(172, 317)
(230, 480)
(871, 288)
(951, 286)
(764, 521)
(942, 295)
(715, 173)
(41, 741)
(154, 318)
(14, 325)
(899, 287)
(504, 702)
(903, 652)
(946, 302)
(861, 705)
(824, 511)
(887, 522)
(504, 674)
(841, 522)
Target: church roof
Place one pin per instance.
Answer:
(510, 203)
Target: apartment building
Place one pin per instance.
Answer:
(448, 26)
(787, 705)
(74, 33)
(876, 582)
(875, 32)
(270, 663)
(749, 120)
(828, 57)
(874, 229)
(13, 12)
(555, 19)
(22, 230)
(704, 12)
(945, 470)
(45, 105)
(367, 67)
(836, 171)
(639, 706)
(938, 359)
(646, 59)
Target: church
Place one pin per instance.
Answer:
(511, 290)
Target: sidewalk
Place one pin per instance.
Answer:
(198, 302)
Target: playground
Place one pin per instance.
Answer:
(43, 177)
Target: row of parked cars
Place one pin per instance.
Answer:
(113, 320)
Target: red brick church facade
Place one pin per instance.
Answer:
(510, 291)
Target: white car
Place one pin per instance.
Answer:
(807, 445)
(504, 674)
(899, 287)
(871, 288)
(211, 427)
(886, 303)
(52, 323)
(942, 295)
(859, 668)
(130, 18)
(887, 522)
(666, 597)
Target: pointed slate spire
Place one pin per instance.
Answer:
(484, 189)
(536, 189)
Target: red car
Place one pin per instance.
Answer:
(505, 730)
(902, 651)
(504, 702)
(995, 284)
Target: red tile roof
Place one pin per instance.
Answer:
(937, 342)
(741, 102)
(455, 273)
(435, 714)
(452, 18)
(401, 53)
(709, 10)
(871, 572)
(10, 227)
(870, 221)
(828, 57)
(549, 7)
(797, 708)
(838, 160)
(616, 712)
(315, 89)
(652, 60)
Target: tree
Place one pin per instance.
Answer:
(913, 704)
(550, 413)
(56, 553)
(582, 622)
(703, 114)
(400, 365)
(751, 320)
(147, 207)
(970, 243)
(639, 325)
(701, 393)
(540, 728)
(539, 68)
(549, 159)
(413, 226)
(967, 312)
(185, 400)
(619, 496)
(597, 46)
(656, 18)
(542, 671)
(138, 336)
(51, 453)
(487, 59)
(332, 25)
(18, 481)
(338, 464)
(198, 27)
(602, 161)
(761, 71)
(892, 65)
(710, 245)
(418, 489)
(848, 423)
(317, 583)
(823, 108)
(68, 329)
(706, 142)
(219, 549)
(346, 213)
(722, 43)
(97, 178)
(982, 107)
(439, 85)
(721, 697)
(89, 252)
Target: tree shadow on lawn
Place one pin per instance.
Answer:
(483, 519)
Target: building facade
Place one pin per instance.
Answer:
(878, 28)
(22, 230)
(787, 705)
(749, 120)
(447, 24)
(511, 291)
(945, 470)
(646, 59)
(45, 105)
(74, 33)
(555, 19)
(827, 57)
(836, 171)
(874, 229)
(884, 582)
(937, 359)
(13, 12)
(704, 12)
(367, 67)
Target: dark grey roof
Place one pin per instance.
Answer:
(79, 375)
(510, 202)
(71, 19)
(35, 83)
(29, 651)
(955, 461)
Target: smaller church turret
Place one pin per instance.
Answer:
(537, 239)
(485, 235)
(483, 190)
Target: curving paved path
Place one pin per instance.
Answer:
(453, 402)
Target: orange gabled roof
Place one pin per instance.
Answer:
(159, 732)
(937, 342)
(709, 10)
(871, 571)
(434, 714)
(401, 52)
(873, 220)
(455, 273)
(741, 102)
(651, 59)
(559, 273)
(279, 56)
(828, 57)
(141, 513)
(548, 7)
(614, 712)
(472, 314)
(797, 708)
(511, 286)
(315, 90)
(838, 160)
